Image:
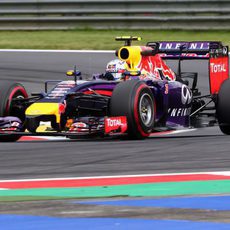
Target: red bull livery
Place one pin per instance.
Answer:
(137, 95)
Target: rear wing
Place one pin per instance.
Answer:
(184, 50)
(214, 51)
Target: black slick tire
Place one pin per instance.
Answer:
(134, 100)
(8, 91)
(223, 107)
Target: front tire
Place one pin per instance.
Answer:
(8, 92)
(223, 107)
(32, 124)
(134, 100)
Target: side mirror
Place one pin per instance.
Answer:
(73, 73)
(131, 75)
(70, 73)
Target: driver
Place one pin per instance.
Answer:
(115, 69)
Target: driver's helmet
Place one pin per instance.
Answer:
(116, 68)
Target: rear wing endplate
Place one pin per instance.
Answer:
(218, 68)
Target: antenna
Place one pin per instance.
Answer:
(75, 74)
(128, 39)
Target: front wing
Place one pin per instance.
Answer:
(113, 126)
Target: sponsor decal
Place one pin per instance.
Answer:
(12, 126)
(195, 47)
(179, 112)
(188, 45)
(166, 88)
(15, 124)
(186, 95)
(225, 50)
(60, 89)
(115, 124)
(185, 55)
(80, 125)
(217, 68)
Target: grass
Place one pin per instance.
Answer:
(97, 39)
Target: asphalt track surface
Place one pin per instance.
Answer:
(195, 151)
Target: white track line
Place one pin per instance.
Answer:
(45, 138)
(225, 173)
(50, 138)
(222, 173)
(181, 131)
(171, 132)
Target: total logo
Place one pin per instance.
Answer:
(218, 68)
(114, 122)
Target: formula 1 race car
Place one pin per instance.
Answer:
(148, 98)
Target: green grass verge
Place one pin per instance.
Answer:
(97, 39)
(133, 190)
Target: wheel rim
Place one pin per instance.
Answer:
(146, 109)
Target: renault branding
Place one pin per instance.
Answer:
(186, 95)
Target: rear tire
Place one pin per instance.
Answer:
(223, 107)
(134, 100)
(9, 91)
